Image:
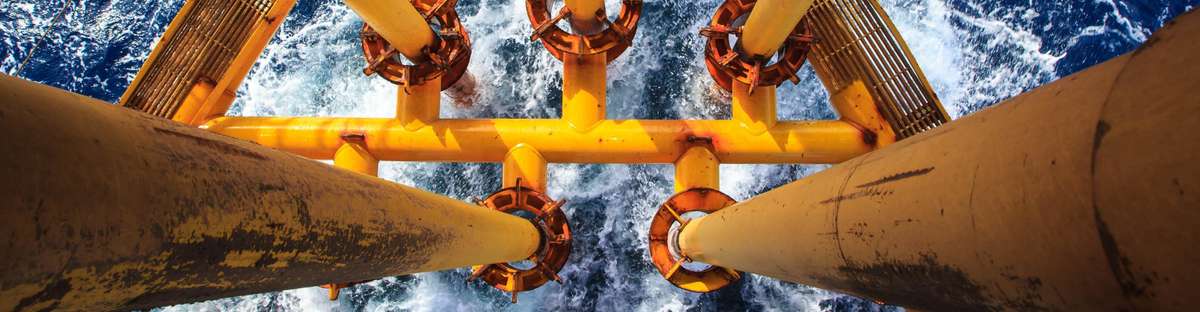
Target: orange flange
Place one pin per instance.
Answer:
(664, 248)
(446, 58)
(613, 40)
(725, 62)
(552, 253)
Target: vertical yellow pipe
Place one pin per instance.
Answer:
(398, 22)
(583, 15)
(527, 164)
(770, 22)
(584, 90)
(419, 105)
(354, 156)
(697, 168)
(756, 111)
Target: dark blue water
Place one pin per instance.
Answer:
(975, 53)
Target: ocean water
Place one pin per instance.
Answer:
(975, 52)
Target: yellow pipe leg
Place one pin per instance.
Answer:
(1080, 195)
(419, 105)
(754, 110)
(398, 22)
(524, 162)
(697, 168)
(770, 23)
(583, 15)
(584, 90)
(95, 194)
(354, 156)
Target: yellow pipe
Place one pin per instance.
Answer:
(525, 163)
(419, 105)
(610, 141)
(220, 95)
(354, 156)
(855, 104)
(583, 15)
(585, 97)
(106, 208)
(770, 23)
(1080, 195)
(398, 22)
(754, 110)
(697, 168)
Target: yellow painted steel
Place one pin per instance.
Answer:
(585, 90)
(854, 104)
(770, 23)
(398, 22)
(1080, 195)
(354, 156)
(113, 209)
(171, 32)
(419, 105)
(524, 162)
(697, 168)
(223, 91)
(754, 110)
(583, 15)
(610, 141)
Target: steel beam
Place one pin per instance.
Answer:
(106, 208)
(1079, 195)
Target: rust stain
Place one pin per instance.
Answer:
(898, 177)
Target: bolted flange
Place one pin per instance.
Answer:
(548, 217)
(664, 250)
(726, 62)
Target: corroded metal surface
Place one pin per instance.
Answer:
(611, 41)
(105, 208)
(445, 58)
(552, 253)
(1079, 196)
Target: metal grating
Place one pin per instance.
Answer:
(202, 46)
(857, 41)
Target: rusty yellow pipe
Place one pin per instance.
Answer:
(697, 168)
(211, 99)
(583, 15)
(585, 97)
(524, 162)
(854, 104)
(770, 23)
(1078, 196)
(419, 105)
(398, 22)
(754, 110)
(610, 141)
(106, 208)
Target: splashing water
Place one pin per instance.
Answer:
(975, 52)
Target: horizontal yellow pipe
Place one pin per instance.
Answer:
(770, 23)
(398, 22)
(610, 141)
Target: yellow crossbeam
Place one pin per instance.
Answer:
(609, 141)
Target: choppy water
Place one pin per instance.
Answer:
(976, 53)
